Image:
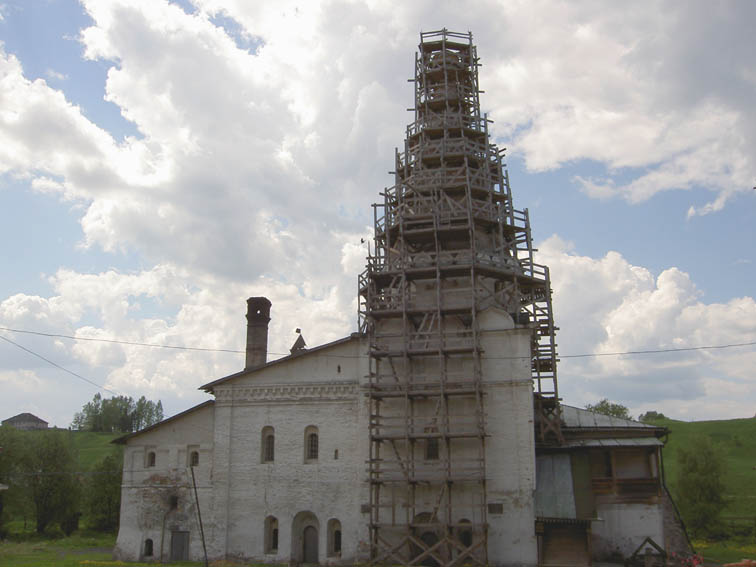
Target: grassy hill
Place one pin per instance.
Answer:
(93, 447)
(736, 438)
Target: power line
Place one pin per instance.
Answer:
(583, 355)
(56, 365)
(658, 351)
(114, 341)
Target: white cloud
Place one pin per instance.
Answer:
(630, 86)
(254, 171)
(53, 74)
(607, 305)
(24, 380)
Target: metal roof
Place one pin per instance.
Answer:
(576, 417)
(614, 442)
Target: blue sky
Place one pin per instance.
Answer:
(160, 162)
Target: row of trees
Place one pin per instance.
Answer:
(618, 410)
(45, 486)
(117, 414)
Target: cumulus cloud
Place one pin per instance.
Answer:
(605, 306)
(651, 86)
(265, 130)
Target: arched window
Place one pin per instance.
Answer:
(148, 547)
(194, 459)
(271, 534)
(150, 459)
(311, 443)
(268, 445)
(334, 538)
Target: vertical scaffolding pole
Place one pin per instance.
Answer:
(449, 245)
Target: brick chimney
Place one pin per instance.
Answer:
(258, 317)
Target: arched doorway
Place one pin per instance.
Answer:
(428, 536)
(305, 538)
(310, 545)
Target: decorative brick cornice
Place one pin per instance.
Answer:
(313, 391)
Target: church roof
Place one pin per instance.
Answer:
(295, 354)
(122, 440)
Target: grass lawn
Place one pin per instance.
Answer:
(79, 550)
(75, 550)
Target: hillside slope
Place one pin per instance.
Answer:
(736, 438)
(93, 447)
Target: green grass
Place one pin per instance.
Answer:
(41, 551)
(93, 447)
(87, 550)
(736, 438)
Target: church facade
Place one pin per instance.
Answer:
(435, 434)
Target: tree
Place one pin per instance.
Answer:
(103, 500)
(10, 500)
(117, 414)
(606, 407)
(651, 415)
(699, 486)
(49, 467)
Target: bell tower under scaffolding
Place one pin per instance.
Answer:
(448, 246)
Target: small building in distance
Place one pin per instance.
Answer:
(25, 422)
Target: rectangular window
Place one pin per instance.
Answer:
(431, 449)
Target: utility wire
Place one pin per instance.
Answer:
(657, 351)
(56, 365)
(154, 345)
(585, 355)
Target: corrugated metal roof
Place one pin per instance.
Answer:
(631, 442)
(576, 417)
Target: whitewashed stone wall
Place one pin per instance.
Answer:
(623, 527)
(320, 389)
(159, 499)
(510, 447)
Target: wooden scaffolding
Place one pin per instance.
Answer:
(448, 245)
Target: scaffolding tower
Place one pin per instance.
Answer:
(448, 245)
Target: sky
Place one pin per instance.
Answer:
(162, 161)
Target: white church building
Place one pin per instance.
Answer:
(434, 435)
